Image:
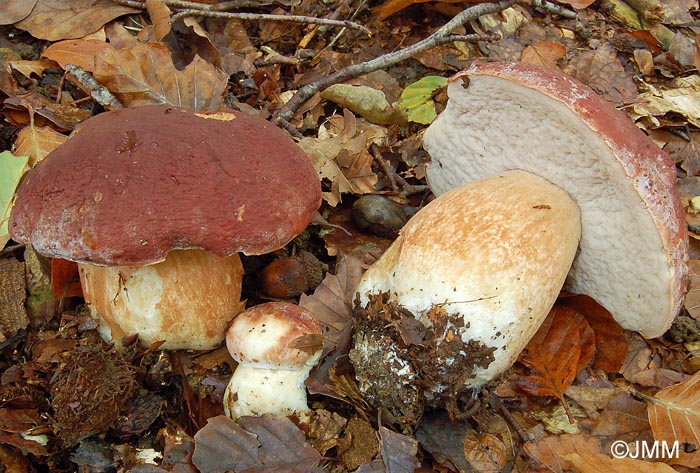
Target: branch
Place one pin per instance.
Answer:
(382, 62)
(269, 17)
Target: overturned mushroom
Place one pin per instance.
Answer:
(493, 254)
(155, 203)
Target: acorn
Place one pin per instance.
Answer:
(291, 276)
(379, 215)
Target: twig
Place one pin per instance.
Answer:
(381, 62)
(269, 17)
(221, 6)
(395, 179)
(554, 8)
(97, 91)
(467, 38)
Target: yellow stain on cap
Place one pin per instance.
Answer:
(223, 116)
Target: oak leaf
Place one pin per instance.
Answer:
(145, 75)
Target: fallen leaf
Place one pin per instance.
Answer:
(255, 444)
(692, 299)
(551, 451)
(674, 412)
(25, 108)
(12, 11)
(545, 53)
(65, 279)
(29, 68)
(340, 155)
(12, 168)
(417, 98)
(602, 70)
(444, 440)
(398, 451)
(554, 354)
(682, 98)
(485, 452)
(578, 4)
(332, 300)
(610, 341)
(37, 142)
(79, 52)
(145, 75)
(623, 415)
(394, 6)
(159, 13)
(599, 463)
(367, 102)
(55, 20)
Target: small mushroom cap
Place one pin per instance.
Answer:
(495, 251)
(275, 335)
(634, 247)
(130, 185)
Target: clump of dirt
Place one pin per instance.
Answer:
(404, 367)
(90, 388)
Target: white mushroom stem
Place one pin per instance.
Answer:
(276, 345)
(254, 391)
(188, 299)
(495, 252)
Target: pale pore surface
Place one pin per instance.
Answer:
(622, 262)
(496, 251)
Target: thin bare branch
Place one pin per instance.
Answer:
(269, 17)
(382, 62)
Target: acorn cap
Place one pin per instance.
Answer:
(275, 335)
(634, 249)
(130, 185)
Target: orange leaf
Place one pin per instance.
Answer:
(545, 53)
(611, 344)
(393, 6)
(79, 52)
(65, 279)
(553, 354)
(674, 412)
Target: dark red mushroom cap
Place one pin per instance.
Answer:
(133, 184)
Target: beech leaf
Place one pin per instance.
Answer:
(79, 52)
(417, 99)
(253, 445)
(674, 412)
(367, 102)
(36, 142)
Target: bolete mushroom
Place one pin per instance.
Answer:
(276, 344)
(517, 150)
(155, 203)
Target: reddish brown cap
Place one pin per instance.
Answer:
(133, 184)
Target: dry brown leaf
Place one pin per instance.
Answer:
(332, 300)
(674, 412)
(37, 142)
(27, 68)
(682, 98)
(610, 342)
(545, 53)
(692, 299)
(550, 452)
(159, 13)
(398, 451)
(64, 115)
(578, 4)
(79, 52)
(554, 353)
(599, 463)
(55, 20)
(485, 452)
(254, 444)
(602, 70)
(145, 75)
(12, 11)
(622, 415)
(340, 155)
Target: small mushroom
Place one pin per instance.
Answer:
(155, 203)
(276, 344)
(519, 151)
